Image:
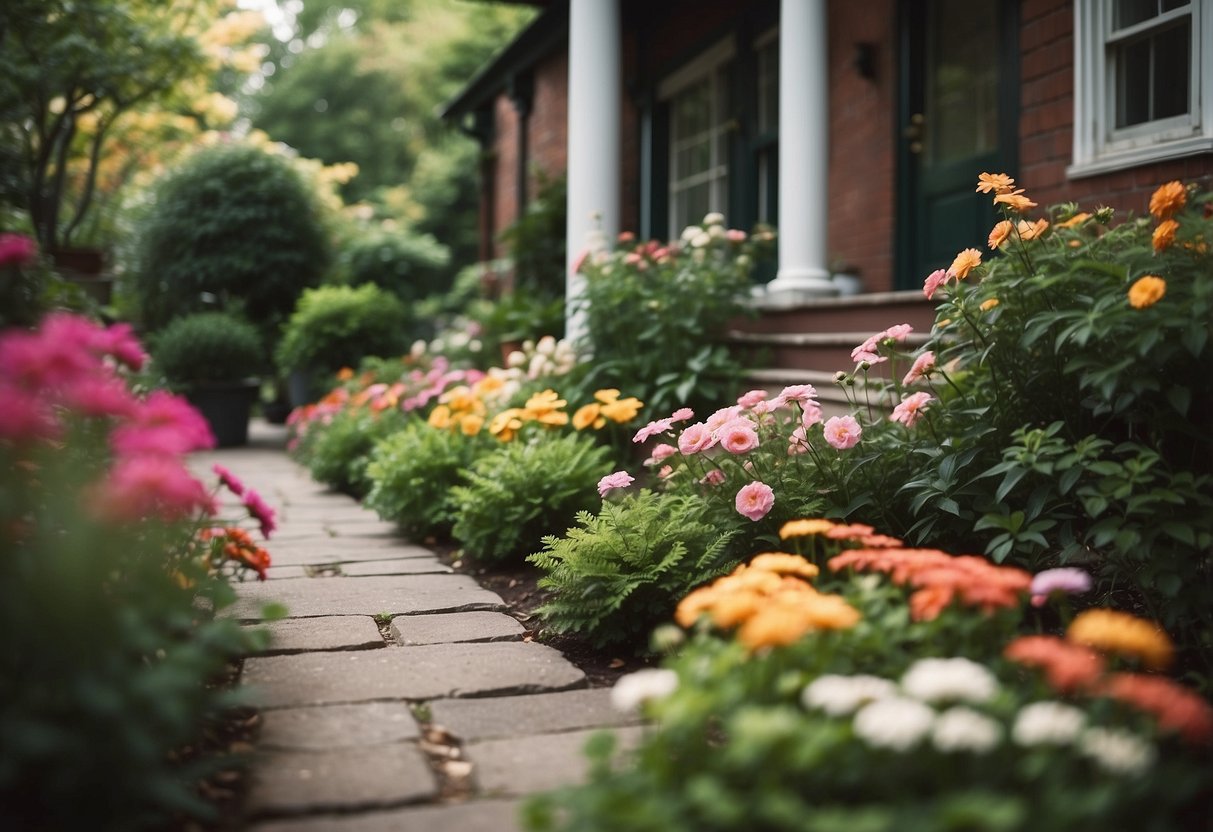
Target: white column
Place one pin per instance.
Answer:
(595, 95)
(804, 123)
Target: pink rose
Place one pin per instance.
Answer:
(910, 409)
(934, 280)
(798, 442)
(801, 393)
(682, 414)
(923, 365)
(725, 414)
(898, 332)
(652, 429)
(751, 398)
(663, 451)
(619, 479)
(811, 414)
(695, 438)
(842, 432)
(738, 436)
(713, 477)
(755, 500)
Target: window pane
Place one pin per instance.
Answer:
(1171, 73)
(962, 80)
(1133, 84)
(768, 88)
(1153, 75)
(1130, 12)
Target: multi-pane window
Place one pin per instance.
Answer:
(766, 143)
(699, 127)
(1143, 81)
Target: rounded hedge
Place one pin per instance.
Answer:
(338, 326)
(208, 346)
(411, 266)
(234, 225)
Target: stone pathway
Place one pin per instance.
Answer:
(396, 695)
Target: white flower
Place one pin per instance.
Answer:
(418, 348)
(964, 729)
(633, 690)
(515, 359)
(546, 345)
(1047, 723)
(715, 218)
(841, 695)
(475, 345)
(1116, 751)
(716, 232)
(941, 680)
(700, 240)
(690, 232)
(896, 723)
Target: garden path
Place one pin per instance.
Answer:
(395, 695)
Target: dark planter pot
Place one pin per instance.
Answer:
(226, 406)
(300, 388)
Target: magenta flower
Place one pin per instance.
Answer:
(120, 342)
(910, 409)
(619, 479)
(922, 367)
(25, 417)
(16, 250)
(163, 424)
(1066, 580)
(843, 432)
(99, 396)
(755, 500)
(738, 436)
(751, 398)
(682, 414)
(260, 511)
(139, 487)
(228, 479)
(934, 280)
(695, 438)
(652, 429)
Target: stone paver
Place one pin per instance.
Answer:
(300, 781)
(525, 765)
(308, 552)
(325, 727)
(396, 566)
(415, 673)
(389, 595)
(330, 632)
(476, 816)
(455, 627)
(514, 716)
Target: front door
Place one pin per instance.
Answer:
(957, 115)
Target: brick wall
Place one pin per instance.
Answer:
(505, 162)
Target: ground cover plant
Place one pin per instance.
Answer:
(113, 563)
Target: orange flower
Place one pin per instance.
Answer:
(345, 374)
(1067, 667)
(988, 304)
(804, 528)
(851, 531)
(964, 263)
(1015, 201)
(589, 415)
(1174, 706)
(1164, 235)
(1168, 200)
(1000, 233)
(1077, 219)
(440, 417)
(1147, 291)
(998, 183)
(1031, 230)
(1118, 632)
(927, 604)
(783, 563)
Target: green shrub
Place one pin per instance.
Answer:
(620, 573)
(341, 450)
(523, 490)
(337, 326)
(233, 226)
(412, 473)
(208, 346)
(410, 266)
(536, 243)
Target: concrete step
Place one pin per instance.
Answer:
(827, 352)
(857, 313)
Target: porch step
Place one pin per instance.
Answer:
(826, 352)
(857, 313)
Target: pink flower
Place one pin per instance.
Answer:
(898, 332)
(16, 250)
(934, 280)
(163, 424)
(665, 472)
(580, 261)
(923, 365)
(120, 342)
(751, 398)
(652, 429)
(799, 393)
(100, 395)
(139, 487)
(661, 452)
(910, 409)
(798, 442)
(619, 479)
(811, 414)
(755, 500)
(725, 414)
(738, 436)
(36, 361)
(695, 438)
(232, 483)
(1066, 579)
(682, 414)
(843, 432)
(735, 235)
(713, 477)
(24, 416)
(260, 511)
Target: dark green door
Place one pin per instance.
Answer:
(957, 118)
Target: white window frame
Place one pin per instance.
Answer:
(1098, 146)
(705, 66)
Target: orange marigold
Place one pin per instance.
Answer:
(1164, 235)
(1031, 230)
(1077, 219)
(964, 263)
(988, 304)
(1067, 667)
(1147, 291)
(998, 183)
(1174, 706)
(1168, 200)
(783, 563)
(589, 415)
(1118, 632)
(804, 528)
(999, 233)
(1015, 201)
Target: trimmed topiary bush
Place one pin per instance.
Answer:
(234, 226)
(208, 347)
(411, 266)
(337, 326)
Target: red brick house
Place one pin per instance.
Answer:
(857, 127)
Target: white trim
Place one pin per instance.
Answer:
(695, 69)
(1098, 147)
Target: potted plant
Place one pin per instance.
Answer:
(211, 357)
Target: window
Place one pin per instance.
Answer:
(698, 97)
(766, 143)
(1141, 93)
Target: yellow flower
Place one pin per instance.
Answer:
(440, 417)
(783, 563)
(987, 305)
(1119, 632)
(1015, 201)
(487, 385)
(545, 408)
(506, 424)
(964, 263)
(606, 396)
(461, 400)
(803, 528)
(622, 410)
(998, 183)
(589, 415)
(695, 605)
(471, 423)
(1031, 230)
(736, 607)
(1168, 200)
(1164, 235)
(999, 234)
(1077, 219)
(1147, 291)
